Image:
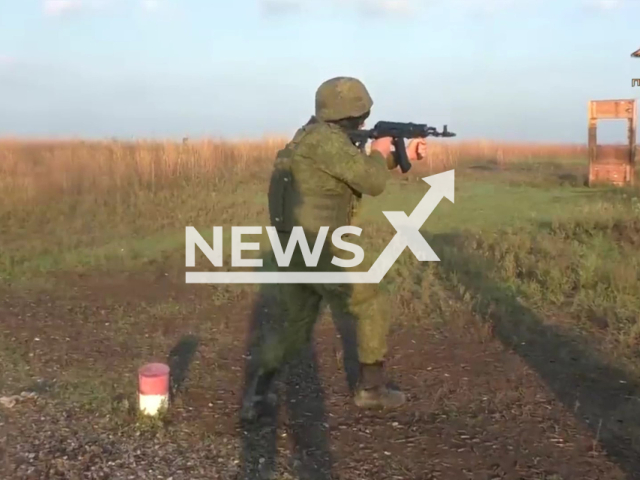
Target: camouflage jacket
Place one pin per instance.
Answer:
(319, 179)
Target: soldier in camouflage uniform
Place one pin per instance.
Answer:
(318, 180)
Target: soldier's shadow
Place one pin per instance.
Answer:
(602, 396)
(306, 428)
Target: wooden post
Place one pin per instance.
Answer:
(616, 165)
(632, 143)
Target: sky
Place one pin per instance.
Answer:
(514, 70)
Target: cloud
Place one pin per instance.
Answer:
(6, 60)
(604, 4)
(385, 7)
(281, 7)
(395, 7)
(150, 5)
(368, 7)
(62, 7)
(58, 8)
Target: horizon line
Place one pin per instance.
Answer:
(257, 138)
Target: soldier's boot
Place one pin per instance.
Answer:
(258, 395)
(373, 392)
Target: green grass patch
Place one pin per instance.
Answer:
(527, 232)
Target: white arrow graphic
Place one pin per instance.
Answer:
(408, 235)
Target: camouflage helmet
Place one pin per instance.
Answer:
(342, 97)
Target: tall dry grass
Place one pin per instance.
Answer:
(42, 170)
(33, 171)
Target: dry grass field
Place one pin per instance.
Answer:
(519, 349)
(37, 169)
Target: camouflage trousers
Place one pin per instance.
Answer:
(300, 304)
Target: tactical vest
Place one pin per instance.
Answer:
(300, 194)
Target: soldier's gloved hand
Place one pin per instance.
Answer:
(383, 145)
(417, 149)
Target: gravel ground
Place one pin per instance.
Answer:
(476, 410)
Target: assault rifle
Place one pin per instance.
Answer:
(399, 131)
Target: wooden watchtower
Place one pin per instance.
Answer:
(613, 164)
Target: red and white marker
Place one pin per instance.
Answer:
(153, 388)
